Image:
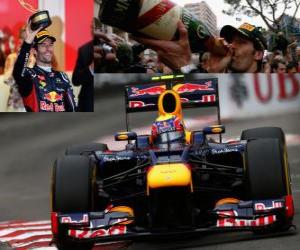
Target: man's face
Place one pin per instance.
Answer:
(281, 68)
(244, 57)
(45, 52)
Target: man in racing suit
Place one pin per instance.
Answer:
(42, 88)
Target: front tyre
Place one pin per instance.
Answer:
(84, 149)
(264, 132)
(72, 191)
(266, 175)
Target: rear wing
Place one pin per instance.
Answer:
(193, 93)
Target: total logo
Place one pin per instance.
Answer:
(53, 97)
(43, 84)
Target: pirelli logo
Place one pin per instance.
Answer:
(247, 26)
(42, 33)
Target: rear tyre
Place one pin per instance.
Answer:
(85, 149)
(266, 176)
(72, 191)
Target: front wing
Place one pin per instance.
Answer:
(110, 226)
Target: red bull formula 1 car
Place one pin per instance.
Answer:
(175, 183)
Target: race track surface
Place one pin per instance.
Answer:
(31, 142)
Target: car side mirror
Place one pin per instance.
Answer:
(198, 138)
(216, 129)
(125, 136)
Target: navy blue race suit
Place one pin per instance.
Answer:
(42, 91)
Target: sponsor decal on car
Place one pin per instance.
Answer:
(230, 220)
(224, 150)
(261, 207)
(139, 104)
(111, 158)
(190, 87)
(155, 90)
(208, 98)
(86, 234)
(204, 99)
(75, 219)
(184, 100)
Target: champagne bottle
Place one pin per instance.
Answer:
(156, 19)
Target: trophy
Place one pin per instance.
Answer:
(39, 18)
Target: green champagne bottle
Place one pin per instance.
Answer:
(156, 19)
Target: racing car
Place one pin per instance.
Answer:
(180, 182)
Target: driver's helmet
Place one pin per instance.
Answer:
(167, 128)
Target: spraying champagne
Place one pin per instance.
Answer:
(157, 19)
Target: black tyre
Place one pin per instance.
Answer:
(72, 191)
(268, 176)
(265, 169)
(275, 133)
(264, 132)
(64, 245)
(85, 148)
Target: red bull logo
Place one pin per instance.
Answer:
(52, 107)
(191, 87)
(139, 104)
(86, 234)
(155, 90)
(208, 98)
(53, 97)
(184, 100)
